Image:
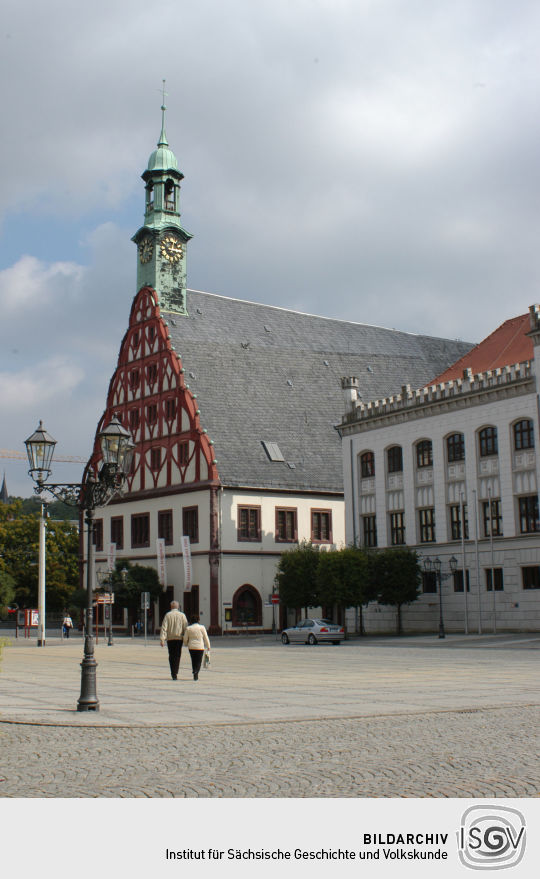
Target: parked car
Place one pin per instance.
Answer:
(313, 631)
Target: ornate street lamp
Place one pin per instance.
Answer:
(117, 450)
(434, 566)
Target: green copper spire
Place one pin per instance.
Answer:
(161, 242)
(163, 137)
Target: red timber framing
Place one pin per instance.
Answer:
(148, 393)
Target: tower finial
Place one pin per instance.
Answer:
(163, 137)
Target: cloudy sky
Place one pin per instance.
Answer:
(374, 160)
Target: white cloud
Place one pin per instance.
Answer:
(41, 385)
(31, 283)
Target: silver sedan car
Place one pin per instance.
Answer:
(313, 631)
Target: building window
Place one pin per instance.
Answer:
(321, 526)
(429, 581)
(151, 413)
(495, 518)
(140, 530)
(170, 408)
(117, 531)
(458, 581)
(134, 417)
(134, 379)
(528, 514)
(426, 520)
(98, 535)
(155, 459)
(286, 525)
(455, 448)
(151, 333)
(455, 521)
(151, 373)
(190, 523)
(499, 585)
(367, 465)
(394, 457)
(249, 523)
(397, 528)
(424, 454)
(165, 526)
(531, 577)
(523, 435)
(487, 439)
(183, 453)
(370, 530)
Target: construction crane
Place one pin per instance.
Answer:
(21, 456)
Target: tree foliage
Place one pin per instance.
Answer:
(342, 577)
(296, 576)
(395, 577)
(127, 589)
(19, 551)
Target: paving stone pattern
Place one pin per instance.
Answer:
(408, 718)
(485, 753)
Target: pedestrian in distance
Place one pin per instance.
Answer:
(67, 625)
(172, 631)
(196, 640)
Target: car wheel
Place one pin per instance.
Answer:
(285, 638)
(312, 639)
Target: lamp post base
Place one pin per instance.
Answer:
(88, 700)
(441, 632)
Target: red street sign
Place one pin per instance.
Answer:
(274, 599)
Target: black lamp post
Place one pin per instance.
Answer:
(105, 579)
(435, 567)
(117, 450)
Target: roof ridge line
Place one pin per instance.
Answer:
(340, 320)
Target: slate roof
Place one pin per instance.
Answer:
(266, 374)
(506, 345)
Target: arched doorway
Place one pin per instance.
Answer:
(246, 607)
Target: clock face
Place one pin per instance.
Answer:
(171, 248)
(146, 249)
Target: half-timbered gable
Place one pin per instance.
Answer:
(149, 393)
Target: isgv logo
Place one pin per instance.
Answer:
(491, 837)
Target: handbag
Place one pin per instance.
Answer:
(206, 662)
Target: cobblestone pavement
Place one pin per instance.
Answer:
(407, 718)
(482, 753)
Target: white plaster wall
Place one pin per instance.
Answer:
(515, 608)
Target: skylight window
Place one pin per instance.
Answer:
(273, 451)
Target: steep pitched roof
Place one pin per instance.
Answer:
(4, 497)
(508, 344)
(266, 375)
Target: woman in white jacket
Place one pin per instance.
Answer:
(196, 640)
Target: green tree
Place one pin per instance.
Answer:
(396, 578)
(19, 549)
(7, 591)
(296, 576)
(342, 578)
(127, 589)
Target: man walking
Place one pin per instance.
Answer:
(172, 631)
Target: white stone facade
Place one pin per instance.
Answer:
(479, 435)
(241, 562)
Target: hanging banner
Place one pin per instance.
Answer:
(161, 561)
(186, 550)
(111, 557)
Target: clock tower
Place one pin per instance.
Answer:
(161, 242)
